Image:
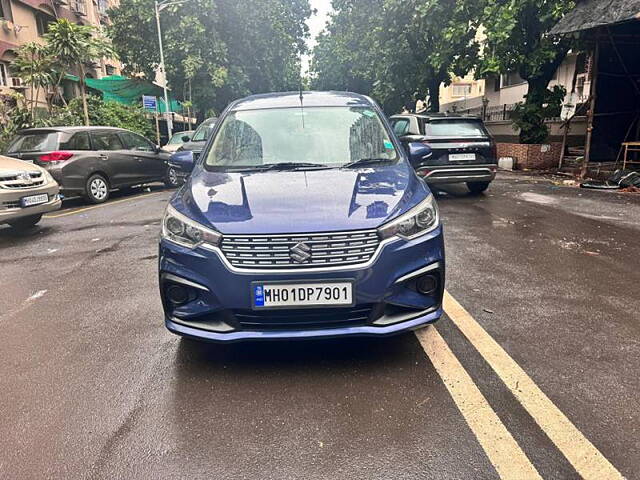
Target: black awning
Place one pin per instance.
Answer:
(590, 14)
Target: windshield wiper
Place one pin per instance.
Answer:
(363, 162)
(281, 166)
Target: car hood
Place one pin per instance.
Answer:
(193, 146)
(300, 201)
(13, 165)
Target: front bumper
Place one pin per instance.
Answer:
(10, 208)
(386, 298)
(434, 174)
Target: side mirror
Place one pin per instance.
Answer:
(183, 161)
(157, 149)
(186, 138)
(418, 152)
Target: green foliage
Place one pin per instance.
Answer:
(225, 48)
(530, 116)
(34, 64)
(517, 40)
(396, 49)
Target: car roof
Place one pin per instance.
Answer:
(69, 129)
(309, 99)
(438, 116)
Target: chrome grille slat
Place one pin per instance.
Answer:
(13, 180)
(327, 249)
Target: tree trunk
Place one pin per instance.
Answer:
(434, 95)
(83, 95)
(532, 126)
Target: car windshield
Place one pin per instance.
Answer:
(176, 138)
(204, 130)
(34, 142)
(454, 128)
(301, 137)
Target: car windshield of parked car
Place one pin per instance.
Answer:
(34, 142)
(324, 136)
(204, 130)
(455, 128)
(176, 138)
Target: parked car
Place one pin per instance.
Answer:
(177, 140)
(195, 145)
(93, 161)
(462, 148)
(26, 193)
(302, 218)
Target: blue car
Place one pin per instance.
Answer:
(302, 218)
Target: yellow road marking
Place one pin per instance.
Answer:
(503, 451)
(580, 452)
(80, 210)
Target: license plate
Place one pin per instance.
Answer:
(462, 156)
(280, 295)
(34, 200)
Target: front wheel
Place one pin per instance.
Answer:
(172, 179)
(25, 223)
(97, 189)
(477, 187)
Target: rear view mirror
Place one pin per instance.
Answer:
(186, 138)
(183, 161)
(418, 152)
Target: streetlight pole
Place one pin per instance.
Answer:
(159, 6)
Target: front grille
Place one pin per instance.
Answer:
(304, 318)
(17, 180)
(312, 250)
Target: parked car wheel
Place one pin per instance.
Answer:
(25, 222)
(477, 187)
(172, 180)
(97, 189)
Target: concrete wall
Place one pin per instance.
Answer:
(504, 131)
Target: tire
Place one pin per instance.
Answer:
(97, 189)
(477, 188)
(25, 223)
(172, 180)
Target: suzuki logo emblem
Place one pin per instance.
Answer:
(300, 253)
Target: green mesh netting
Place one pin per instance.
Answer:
(129, 91)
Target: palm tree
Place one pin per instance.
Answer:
(76, 46)
(34, 65)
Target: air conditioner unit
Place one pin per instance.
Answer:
(79, 8)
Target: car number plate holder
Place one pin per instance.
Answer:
(33, 200)
(462, 157)
(292, 294)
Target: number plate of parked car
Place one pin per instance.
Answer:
(462, 156)
(275, 295)
(34, 200)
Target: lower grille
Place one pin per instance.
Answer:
(11, 205)
(311, 250)
(306, 318)
(25, 179)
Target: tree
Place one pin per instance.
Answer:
(34, 65)
(233, 47)
(517, 40)
(394, 49)
(75, 46)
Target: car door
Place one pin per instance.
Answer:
(152, 162)
(121, 167)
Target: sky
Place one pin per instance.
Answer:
(316, 25)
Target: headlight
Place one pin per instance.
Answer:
(47, 176)
(419, 220)
(182, 230)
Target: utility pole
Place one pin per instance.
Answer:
(159, 6)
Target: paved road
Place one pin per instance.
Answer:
(532, 373)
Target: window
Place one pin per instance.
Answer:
(107, 141)
(455, 128)
(461, 89)
(136, 142)
(327, 136)
(42, 23)
(400, 127)
(5, 10)
(4, 77)
(204, 130)
(511, 78)
(34, 142)
(78, 141)
(110, 69)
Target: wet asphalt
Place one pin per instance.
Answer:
(93, 386)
